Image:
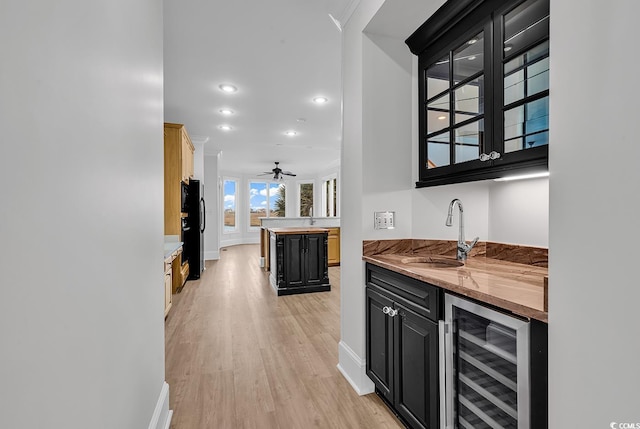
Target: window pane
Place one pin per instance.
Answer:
(538, 77)
(277, 201)
(468, 59)
(533, 54)
(530, 77)
(306, 198)
(525, 25)
(537, 115)
(257, 202)
(438, 114)
(438, 77)
(469, 141)
(513, 122)
(330, 197)
(527, 126)
(438, 151)
(469, 100)
(229, 192)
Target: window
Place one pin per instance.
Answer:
(330, 197)
(265, 204)
(484, 89)
(306, 199)
(229, 206)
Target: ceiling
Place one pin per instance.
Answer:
(280, 54)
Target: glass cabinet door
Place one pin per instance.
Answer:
(455, 106)
(524, 71)
(484, 93)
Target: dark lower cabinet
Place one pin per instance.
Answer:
(402, 347)
(299, 263)
(416, 368)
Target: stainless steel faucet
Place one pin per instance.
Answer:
(463, 247)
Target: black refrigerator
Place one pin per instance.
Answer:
(194, 238)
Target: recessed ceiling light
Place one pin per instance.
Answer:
(320, 100)
(225, 127)
(472, 41)
(226, 112)
(442, 118)
(290, 133)
(228, 88)
(301, 120)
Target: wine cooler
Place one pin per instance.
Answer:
(485, 381)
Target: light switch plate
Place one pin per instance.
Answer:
(384, 220)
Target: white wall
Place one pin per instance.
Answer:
(213, 213)
(519, 212)
(386, 134)
(352, 309)
(81, 214)
(430, 206)
(593, 194)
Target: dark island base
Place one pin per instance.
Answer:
(305, 289)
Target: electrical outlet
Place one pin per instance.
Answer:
(384, 220)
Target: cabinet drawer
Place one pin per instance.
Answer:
(426, 296)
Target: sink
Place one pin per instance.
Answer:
(432, 262)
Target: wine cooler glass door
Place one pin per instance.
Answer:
(487, 367)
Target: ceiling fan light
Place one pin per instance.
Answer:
(320, 100)
(290, 133)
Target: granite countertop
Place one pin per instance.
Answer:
(298, 230)
(517, 287)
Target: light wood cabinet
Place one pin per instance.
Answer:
(172, 276)
(187, 156)
(176, 268)
(168, 295)
(333, 246)
(178, 168)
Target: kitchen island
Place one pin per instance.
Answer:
(331, 223)
(298, 260)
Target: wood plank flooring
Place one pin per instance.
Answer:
(238, 356)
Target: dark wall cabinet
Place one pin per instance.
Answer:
(299, 263)
(483, 90)
(402, 345)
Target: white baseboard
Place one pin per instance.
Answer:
(211, 255)
(354, 369)
(161, 418)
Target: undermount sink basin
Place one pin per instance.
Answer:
(432, 262)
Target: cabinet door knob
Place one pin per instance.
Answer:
(484, 157)
(386, 309)
(494, 155)
(393, 313)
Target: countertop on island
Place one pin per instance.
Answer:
(518, 288)
(298, 230)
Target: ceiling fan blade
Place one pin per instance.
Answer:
(288, 173)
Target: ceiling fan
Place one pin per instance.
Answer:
(277, 172)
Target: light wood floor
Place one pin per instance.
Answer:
(238, 356)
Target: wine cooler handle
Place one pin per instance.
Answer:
(442, 357)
